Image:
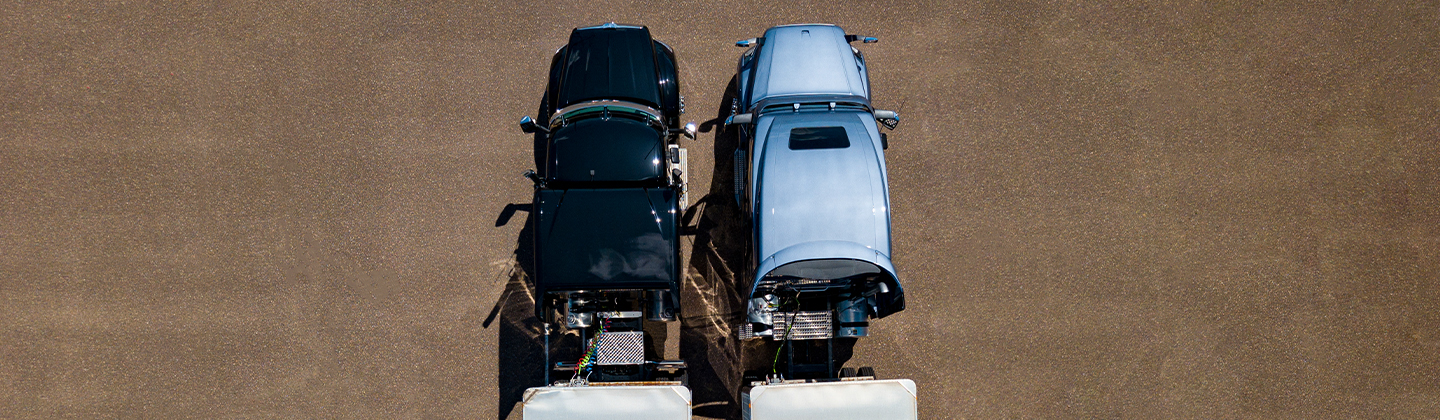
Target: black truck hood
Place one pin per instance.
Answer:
(609, 63)
(613, 238)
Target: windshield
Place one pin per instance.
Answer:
(601, 150)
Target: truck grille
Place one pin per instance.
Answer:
(809, 325)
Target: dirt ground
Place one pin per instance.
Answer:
(1101, 210)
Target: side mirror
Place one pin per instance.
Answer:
(889, 119)
(884, 142)
(689, 130)
(528, 125)
(745, 118)
(747, 42)
(533, 177)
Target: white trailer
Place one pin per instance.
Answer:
(599, 401)
(847, 399)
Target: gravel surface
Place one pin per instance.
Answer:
(1101, 210)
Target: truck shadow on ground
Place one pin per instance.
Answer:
(520, 357)
(710, 305)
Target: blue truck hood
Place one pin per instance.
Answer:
(807, 60)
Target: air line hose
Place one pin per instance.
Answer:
(588, 360)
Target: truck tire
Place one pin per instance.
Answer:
(868, 371)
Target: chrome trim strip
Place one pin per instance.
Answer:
(559, 118)
(611, 25)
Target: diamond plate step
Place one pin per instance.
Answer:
(620, 348)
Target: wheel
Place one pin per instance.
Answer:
(848, 372)
(867, 371)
